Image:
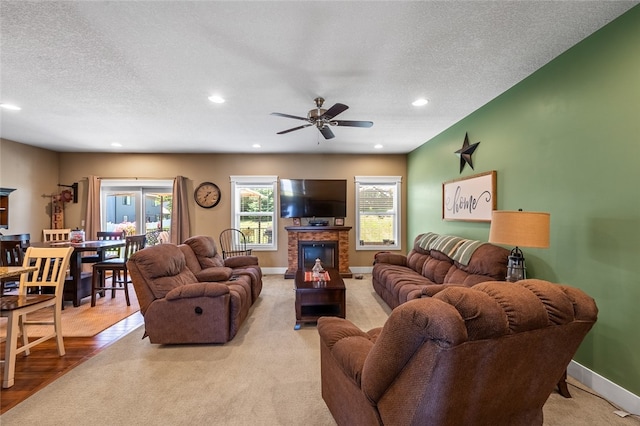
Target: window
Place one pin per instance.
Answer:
(252, 210)
(136, 207)
(378, 212)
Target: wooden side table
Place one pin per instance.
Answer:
(319, 298)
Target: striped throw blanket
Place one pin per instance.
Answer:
(458, 249)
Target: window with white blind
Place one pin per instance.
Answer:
(378, 212)
(253, 207)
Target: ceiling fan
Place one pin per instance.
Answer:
(323, 118)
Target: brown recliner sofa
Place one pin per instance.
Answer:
(203, 258)
(434, 263)
(177, 307)
(487, 355)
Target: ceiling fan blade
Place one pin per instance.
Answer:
(295, 128)
(326, 132)
(279, 114)
(350, 123)
(334, 110)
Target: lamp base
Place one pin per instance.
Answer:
(516, 269)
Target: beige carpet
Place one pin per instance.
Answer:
(84, 321)
(268, 375)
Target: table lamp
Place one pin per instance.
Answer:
(520, 229)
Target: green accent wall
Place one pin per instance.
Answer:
(566, 140)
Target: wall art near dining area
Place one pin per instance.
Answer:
(471, 198)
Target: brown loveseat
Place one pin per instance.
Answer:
(177, 307)
(487, 355)
(434, 263)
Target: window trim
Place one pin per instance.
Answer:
(243, 181)
(382, 180)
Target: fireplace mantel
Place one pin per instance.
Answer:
(318, 234)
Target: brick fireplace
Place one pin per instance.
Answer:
(330, 243)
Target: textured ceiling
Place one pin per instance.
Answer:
(90, 73)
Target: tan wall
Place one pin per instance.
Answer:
(33, 172)
(76, 167)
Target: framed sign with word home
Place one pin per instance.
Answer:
(471, 198)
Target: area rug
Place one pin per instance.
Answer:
(269, 374)
(84, 321)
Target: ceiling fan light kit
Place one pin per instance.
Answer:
(323, 118)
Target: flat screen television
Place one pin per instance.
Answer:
(313, 197)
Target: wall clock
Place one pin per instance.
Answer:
(207, 195)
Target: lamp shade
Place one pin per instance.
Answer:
(518, 228)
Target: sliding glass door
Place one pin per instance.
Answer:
(137, 207)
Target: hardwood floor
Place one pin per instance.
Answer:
(43, 365)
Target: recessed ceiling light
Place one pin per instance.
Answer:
(11, 107)
(420, 102)
(216, 99)
(378, 146)
(256, 145)
(116, 144)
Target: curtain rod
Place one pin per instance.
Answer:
(133, 178)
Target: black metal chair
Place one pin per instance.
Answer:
(12, 248)
(233, 243)
(11, 254)
(23, 238)
(116, 266)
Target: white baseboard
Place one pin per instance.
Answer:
(361, 269)
(618, 395)
(273, 271)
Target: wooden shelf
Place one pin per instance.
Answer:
(4, 206)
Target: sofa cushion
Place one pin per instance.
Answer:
(487, 260)
(216, 273)
(436, 267)
(164, 268)
(197, 290)
(190, 258)
(482, 315)
(205, 250)
(523, 309)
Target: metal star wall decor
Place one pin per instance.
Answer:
(465, 152)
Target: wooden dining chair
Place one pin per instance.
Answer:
(117, 267)
(51, 266)
(54, 235)
(233, 243)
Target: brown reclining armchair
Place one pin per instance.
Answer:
(487, 355)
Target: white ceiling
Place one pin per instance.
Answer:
(89, 73)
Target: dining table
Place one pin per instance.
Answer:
(78, 284)
(14, 271)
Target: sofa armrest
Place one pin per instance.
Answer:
(348, 344)
(204, 289)
(214, 273)
(240, 261)
(332, 329)
(391, 258)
